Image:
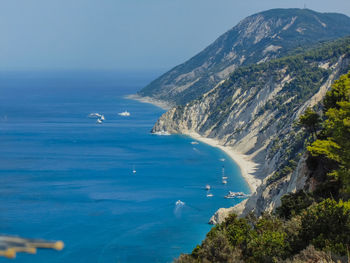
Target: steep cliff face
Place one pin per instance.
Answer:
(256, 39)
(254, 111)
(268, 195)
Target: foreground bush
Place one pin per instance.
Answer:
(327, 226)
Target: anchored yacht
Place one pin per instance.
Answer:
(95, 115)
(124, 113)
(179, 203)
(231, 195)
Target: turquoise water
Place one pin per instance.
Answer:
(64, 177)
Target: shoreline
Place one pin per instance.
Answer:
(159, 103)
(245, 164)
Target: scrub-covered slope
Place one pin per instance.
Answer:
(256, 39)
(255, 110)
(312, 224)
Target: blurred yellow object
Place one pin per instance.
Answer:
(9, 253)
(10, 245)
(30, 250)
(54, 245)
(59, 245)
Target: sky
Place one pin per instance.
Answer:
(122, 34)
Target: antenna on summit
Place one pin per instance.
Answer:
(304, 5)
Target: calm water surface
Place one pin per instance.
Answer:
(64, 177)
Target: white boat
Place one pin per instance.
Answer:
(162, 133)
(194, 143)
(102, 117)
(99, 121)
(224, 178)
(207, 187)
(179, 203)
(95, 115)
(222, 159)
(124, 113)
(224, 181)
(133, 170)
(210, 195)
(231, 195)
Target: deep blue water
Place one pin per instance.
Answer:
(64, 177)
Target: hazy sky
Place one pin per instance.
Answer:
(122, 34)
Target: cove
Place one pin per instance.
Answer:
(64, 177)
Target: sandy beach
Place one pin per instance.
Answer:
(159, 103)
(244, 162)
(247, 166)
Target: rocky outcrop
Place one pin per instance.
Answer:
(254, 111)
(268, 196)
(256, 39)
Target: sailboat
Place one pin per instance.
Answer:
(224, 178)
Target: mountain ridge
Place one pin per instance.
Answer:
(256, 39)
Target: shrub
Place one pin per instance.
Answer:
(310, 254)
(268, 241)
(293, 204)
(327, 226)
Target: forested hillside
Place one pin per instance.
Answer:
(311, 225)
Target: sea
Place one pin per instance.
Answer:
(65, 177)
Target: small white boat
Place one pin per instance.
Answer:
(224, 178)
(207, 187)
(224, 181)
(210, 195)
(133, 170)
(95, 115)
(124, 113)
(194, 143)
(99, 121)
(231, 195)
(162, 133)
(102, 117)
(222, 159)
(179, 203)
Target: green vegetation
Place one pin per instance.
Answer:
(305, 78)
(308, 226)
(305, 86)
(311, 121)
(294, 204)
(235, 48)
(326, 225)
(335, 141)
